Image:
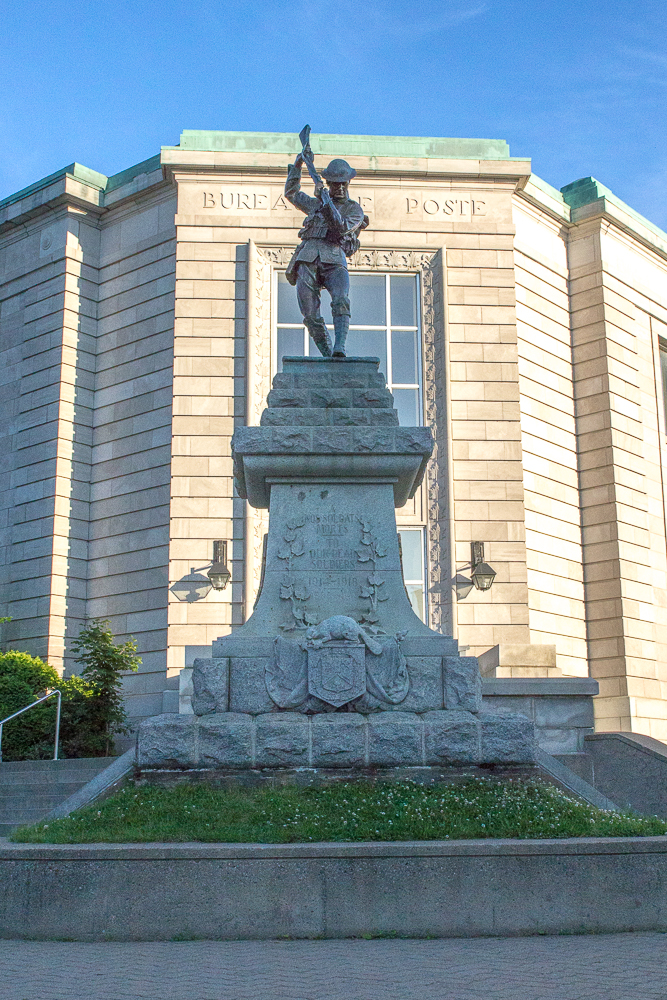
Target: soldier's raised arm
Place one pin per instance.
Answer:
(293, 191)
(343, 223)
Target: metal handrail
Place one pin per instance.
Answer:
(22, 710)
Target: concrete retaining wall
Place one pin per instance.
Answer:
(631, 769)
(413, 889)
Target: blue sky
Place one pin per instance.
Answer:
(580, 88)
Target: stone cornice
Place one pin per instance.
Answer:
(176, 160)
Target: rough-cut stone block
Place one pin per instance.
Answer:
(375, 398)
(291, 439)
(210, 683)
(250, 440)
(507, 739)
(287, 417)
(225, 740)
(334, 439)
(426, 689)
(291, 382)
(167, 741)
(451, 738)
(463, 685)
(413, 439)
(395, 738)
(282, 740)
(338, 740)
(384, 418)
(283, 397)
(325, 398)
(373, 439)
(352, 417)
(247, 687)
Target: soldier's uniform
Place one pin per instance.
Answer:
(319, 261)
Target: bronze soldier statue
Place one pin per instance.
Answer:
(328, 237)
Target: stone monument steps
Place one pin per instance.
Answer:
(29, 789)
(330, 398)
(286, 416)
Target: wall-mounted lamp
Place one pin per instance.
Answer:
(482, 574)
(219, 574)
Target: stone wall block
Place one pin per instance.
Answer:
(167, 741)
(247, 687)
(225, 740)
(463, 684)
(290, 439)
(426, 688)
(331, 440)
(326, 398)
(351, 417)
(291, 417)
(451, 738)
(375, 398)
(561, 741)
(573, 713)
(373, 439)
(508, 705)
(507, 739)
(339, 739)
(282, 739)
(288, 397)
(210, 683)
(395, 738)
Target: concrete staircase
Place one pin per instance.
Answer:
(29, 789)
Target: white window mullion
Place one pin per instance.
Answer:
(387, 331)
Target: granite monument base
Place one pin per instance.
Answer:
(236, 740)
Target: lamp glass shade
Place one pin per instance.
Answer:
(219, 576)
(483, 576)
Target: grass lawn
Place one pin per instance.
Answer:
(480, 807)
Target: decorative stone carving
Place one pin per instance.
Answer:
(338, 663)
(337, 673)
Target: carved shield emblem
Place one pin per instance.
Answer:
(337, 672)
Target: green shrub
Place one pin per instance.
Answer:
(104, 663)
(24, 679)
(92, 711)
(39, 676)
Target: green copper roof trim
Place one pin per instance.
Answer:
(587, 190)
(145, 167)
(75, 170)
(88, 176)
(339, 145)
(548, 189)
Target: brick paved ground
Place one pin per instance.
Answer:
(595, 967)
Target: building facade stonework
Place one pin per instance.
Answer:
(141, 322)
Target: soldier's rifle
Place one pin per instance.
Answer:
(349, 241)
(309, 160)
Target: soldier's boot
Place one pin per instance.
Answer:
(341, 329)
(318, 331)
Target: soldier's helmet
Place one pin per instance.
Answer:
(339, 171)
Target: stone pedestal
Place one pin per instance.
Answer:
(333, 664)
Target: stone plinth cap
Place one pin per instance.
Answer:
(329, 420)
(323, 454)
